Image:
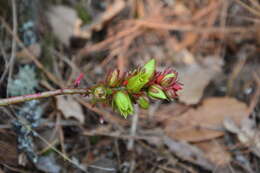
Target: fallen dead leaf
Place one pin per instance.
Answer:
(247, 133)
(63, 20)
(189, 153)
(204, 122)
(195, 77)
(70, 108)
(215, 152)
(167, 111)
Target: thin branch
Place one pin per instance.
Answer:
(123, 136)
(248, 8)
(65, 157)
(14, 46)
(72, 161)
(24, 98)
(3, 53)
(190, 28)
(134, 124)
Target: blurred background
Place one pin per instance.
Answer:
(212, 127)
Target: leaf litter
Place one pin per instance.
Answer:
(196, 76)
(206, 121)
(70, 108)
(201, 39)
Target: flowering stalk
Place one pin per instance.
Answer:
(36, 96)
(137, 86)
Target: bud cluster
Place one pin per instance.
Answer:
(136, 87)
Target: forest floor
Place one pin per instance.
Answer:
(213, 126)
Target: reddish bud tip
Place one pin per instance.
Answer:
(78, 80)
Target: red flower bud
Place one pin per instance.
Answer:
(166, 78)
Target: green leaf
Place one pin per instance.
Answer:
(137, 82)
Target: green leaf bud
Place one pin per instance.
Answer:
(137, 82)
(156, 92)
(123, 103)
(143, 102)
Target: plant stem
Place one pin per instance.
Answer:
(36, 96)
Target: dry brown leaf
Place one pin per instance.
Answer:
(167, 111)
(195, 77)
(189, 153)
(63, 20)
(70, 108)
(66, 23)
(202, 123)
(215, 152)
(247, 133)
